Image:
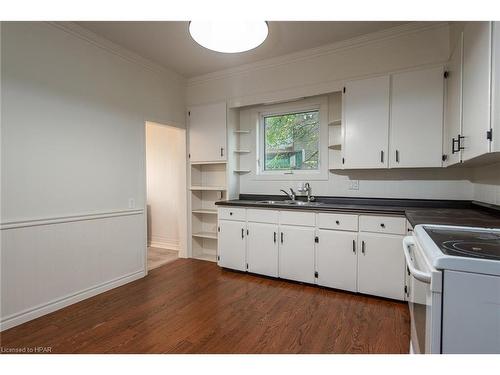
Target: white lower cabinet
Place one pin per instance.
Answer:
(369, 261)
(232, 247)
(262, 248)
(296, 253)
(381, 265)
(336, 259)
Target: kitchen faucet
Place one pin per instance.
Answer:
(307, 188)
(291, 196)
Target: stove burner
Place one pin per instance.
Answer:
(474, 249)
(471, 243)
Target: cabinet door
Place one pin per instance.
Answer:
(495, 97)
(476, 88)
(381, 265)
(231, 243)
(336, 259)
(417, 118)
(207, 132)
(296, 253)
(366, 123)
(453, 117)
(262, 249)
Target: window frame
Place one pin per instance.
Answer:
(319, 104)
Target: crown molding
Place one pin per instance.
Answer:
(111, 47)
(391, 33)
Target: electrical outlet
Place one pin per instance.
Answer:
(131, 203)
(353, 184)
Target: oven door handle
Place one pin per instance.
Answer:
(417, 274)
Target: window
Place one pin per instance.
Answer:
(291, 141)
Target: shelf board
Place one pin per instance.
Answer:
(203, 188)
(335, 122)
(207, 162)
(210, 235)
(207, 257)
(242, 132)
(208, 211)
(242, 171)
(241, 151)
(335, 147)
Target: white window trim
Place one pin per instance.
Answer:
(316, 103)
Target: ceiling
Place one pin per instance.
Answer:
(169, 44)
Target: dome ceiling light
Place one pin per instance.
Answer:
(229, 36)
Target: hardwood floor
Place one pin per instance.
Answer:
(192, 306)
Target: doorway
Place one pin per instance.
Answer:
(166, 193)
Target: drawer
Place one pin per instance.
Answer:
(297, 218)
(230, 213)
(382, 224)
(338, 221)
(263, 216)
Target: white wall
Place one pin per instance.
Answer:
(72, 152)
(166, 184)
(487, 184)
(324, 70)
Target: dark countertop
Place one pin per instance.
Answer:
(417, 211)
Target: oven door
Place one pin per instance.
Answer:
(424, 302)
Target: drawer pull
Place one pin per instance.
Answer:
(274, 237)
(363, 247)
(354, 246)
(242, 233)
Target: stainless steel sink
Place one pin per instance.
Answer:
(292, 203)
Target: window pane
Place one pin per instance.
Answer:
(292, 141)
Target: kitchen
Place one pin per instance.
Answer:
(344, 174)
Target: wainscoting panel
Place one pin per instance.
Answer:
(48, 266)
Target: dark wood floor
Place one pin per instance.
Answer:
(191, 306)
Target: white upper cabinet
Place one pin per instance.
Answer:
(417, 118)
(366, 123)
(453, 116)
(495, 110)
(476, 88)
(207, 132)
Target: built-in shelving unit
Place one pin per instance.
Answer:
(335, 130)
(208, 185)
(241, 151)
(241, 131)
(242, 171)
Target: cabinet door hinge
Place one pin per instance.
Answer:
(489, 135)
(446, 74)
(444, 157)
(316, 239)
(189, 156)
(189, 113)
(316, 274)
(218, 229)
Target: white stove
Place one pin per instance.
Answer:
(453, 289)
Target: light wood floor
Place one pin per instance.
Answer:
(158, 257)
(193, 306)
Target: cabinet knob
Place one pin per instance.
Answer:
(230, 214)
(337, 222)
(382, 225)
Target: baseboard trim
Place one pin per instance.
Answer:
(36, 312)
(164, 243)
